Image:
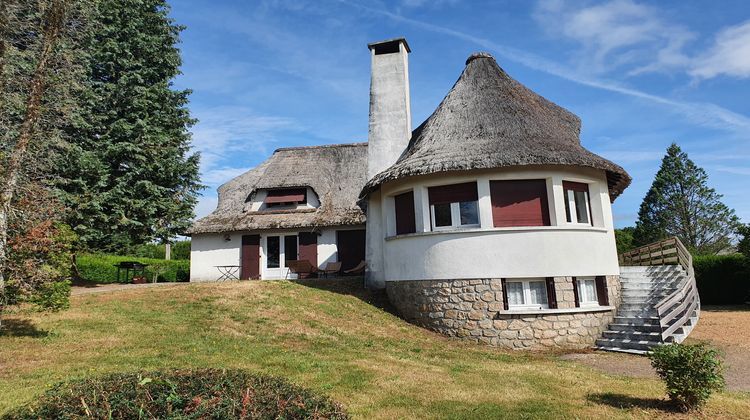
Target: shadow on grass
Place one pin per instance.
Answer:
(351, 286)
(16, 327)
(725, 308)
(626, 401)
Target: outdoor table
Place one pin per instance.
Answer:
(131, 269)
(228, 272)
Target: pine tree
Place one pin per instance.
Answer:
(129, 176)
(680, 203)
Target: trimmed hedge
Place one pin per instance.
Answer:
(180, 251)
(101, 268)
(180, 394)
(722, 279)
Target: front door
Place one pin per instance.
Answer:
(250, 257)
(351, 247)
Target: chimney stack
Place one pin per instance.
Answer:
(390, 109)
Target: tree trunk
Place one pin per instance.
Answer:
(53, 22)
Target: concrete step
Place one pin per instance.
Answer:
(613, 344)
(644, 327)
(636, 320)
(633, 335)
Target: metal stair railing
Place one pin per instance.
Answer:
(677, 308)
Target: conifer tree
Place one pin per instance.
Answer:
(129, 175)
(680, 203)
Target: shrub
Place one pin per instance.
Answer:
(101, 268)
(183, 394)
(180, 251)
(53, 296)
(691, 372)
(722, 279)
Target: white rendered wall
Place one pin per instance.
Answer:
(209, 250)
(487, 252)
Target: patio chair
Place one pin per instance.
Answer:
(302, 268)
(331, 268)
(358, 269)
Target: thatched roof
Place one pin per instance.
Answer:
(336, 173)
(489, 120)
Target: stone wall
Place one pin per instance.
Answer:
(473, 310)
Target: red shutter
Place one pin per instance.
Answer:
(250, 257)
(308, 247)
(575, 186)
(505, 295)
(575, 293)
(293, 195)
(519, 203)
(602, 294)
(405, 217)
(455, 193)
(551, 294)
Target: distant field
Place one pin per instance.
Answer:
(328, 339)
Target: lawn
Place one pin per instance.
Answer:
(328, 339)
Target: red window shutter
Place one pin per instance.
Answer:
(308, 247)
(575, 293)
(575, 186)
(519, 203)
(405, 217)
(602, 293)
(505, 294)
(551, 294)
(291, 195)
(455, 193)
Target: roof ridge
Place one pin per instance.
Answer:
(320, 146)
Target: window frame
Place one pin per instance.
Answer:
(526, 291)
(455, 208)
(579, 291)
(571, 211)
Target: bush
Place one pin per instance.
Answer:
(53, 296)
(722, 279)
(691, 372)
(180, 251)
(183, 394)
(101, 268)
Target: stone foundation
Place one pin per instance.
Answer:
(473, 310)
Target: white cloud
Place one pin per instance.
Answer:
(730, 54)
(698, 113)
(206, 204)
(616, 34)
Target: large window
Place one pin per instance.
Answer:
(405, 217)
(577, 205)
(526, 294)
(273, 252)
(519, 203)
(454, 206)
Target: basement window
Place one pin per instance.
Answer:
(526, 294)
(591, 291)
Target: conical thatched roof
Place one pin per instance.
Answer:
(335, 172)
(489, 120)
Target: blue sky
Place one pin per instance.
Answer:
(277, 73)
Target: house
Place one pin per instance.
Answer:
(489, 221)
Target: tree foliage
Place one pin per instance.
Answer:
(743, 246)
(129, 176)
(680, 203)
(624, 239)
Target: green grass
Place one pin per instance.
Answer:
(328, 340)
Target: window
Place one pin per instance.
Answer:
(272, 251)
(290, 248)
(284, 197)
(586, 287)
(577, 205)
(526, 294)
(405, 216)
(454, 206)
(519, 203)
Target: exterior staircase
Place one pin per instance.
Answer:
(659, 299)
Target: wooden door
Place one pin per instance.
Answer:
(250, 257)
(351, 247)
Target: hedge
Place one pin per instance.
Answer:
(101, 268)
(180, 394)
(722, 279)
(180, 251)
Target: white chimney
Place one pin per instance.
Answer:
(390, 109)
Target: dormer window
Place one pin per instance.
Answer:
(285, 197)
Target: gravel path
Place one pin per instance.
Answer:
(78, 290)
(725, 327)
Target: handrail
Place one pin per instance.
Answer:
(675, 309)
